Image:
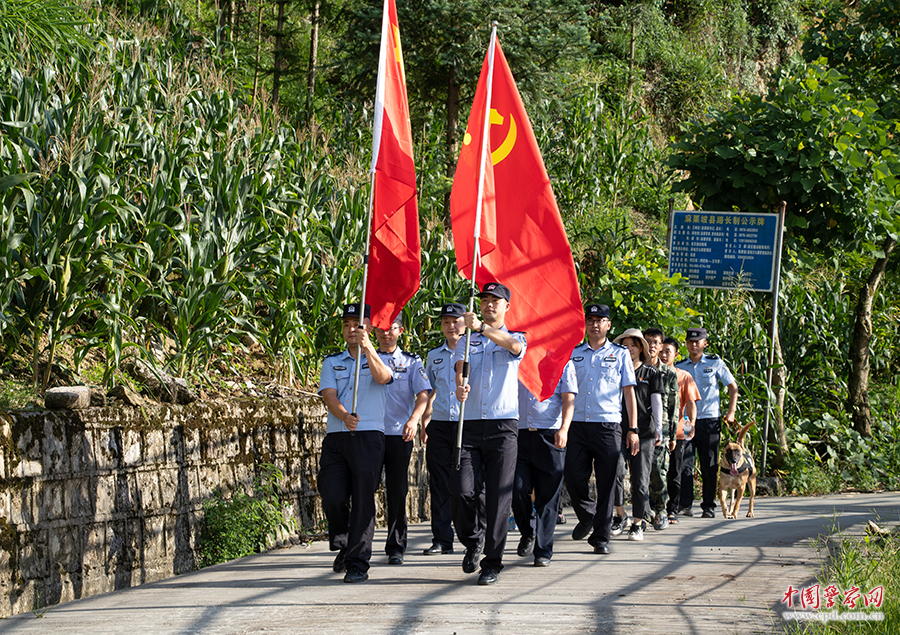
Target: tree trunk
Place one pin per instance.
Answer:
(631, 59)
(313, 57)
(858, 383)
(279, 53)
(259, 12)
(452, 138)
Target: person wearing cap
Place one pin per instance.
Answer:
(659, 469)
(687, 418)
(606, 382)
(708, 372)
(439, 430)
(648, 397)
(406, 398)
(543, 433)
(353, 447)
(490, 429)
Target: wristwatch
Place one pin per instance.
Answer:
(481, 330)
(635, 430)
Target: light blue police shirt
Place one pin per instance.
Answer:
(707, 373)
(546, 415)
(440, 368)
(409, 381)
(602, 374)
(493, 378)
(338, 371)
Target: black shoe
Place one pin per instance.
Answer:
(355, 575)
(470, 562)
(542, 561)
(339, 566)
(437, 549)
(561, 519)
(488, 576)
(602, 549)
(707, 514)
(581, 531)
(686, 512)
(526, 545)
(395, 558)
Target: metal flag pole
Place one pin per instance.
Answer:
(773, 333)
(365, 280)
(377, 123)
(476, 252)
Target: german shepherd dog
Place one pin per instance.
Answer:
(737, 470)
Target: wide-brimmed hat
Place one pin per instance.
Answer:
(636, 334)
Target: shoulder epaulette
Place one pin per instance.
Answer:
(411, 355)
(712, 357)
(682, 360)
(619, 345)
(334, 355)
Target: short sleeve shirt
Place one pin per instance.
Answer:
(440, 367)
(547, 414)
(687, 390)
(648, 381)
(409, 380)
(602, 374)
(493, 378)
(708, 373)
(338, 371)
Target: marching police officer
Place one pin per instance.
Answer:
(406, 398)
(439, 430)
(543, 433)
(605, 381)
(490, 428)
(708, 372)
(353, 448)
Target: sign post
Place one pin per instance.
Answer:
(731, 250)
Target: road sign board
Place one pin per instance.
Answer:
(724, 250)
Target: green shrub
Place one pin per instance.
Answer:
(243, 524)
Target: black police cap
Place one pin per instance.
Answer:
(696, 334)
(453, 309)
(497, 290)
(352, 311)
(596, 311)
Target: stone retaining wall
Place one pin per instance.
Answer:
(101, 499)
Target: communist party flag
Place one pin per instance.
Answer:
(523, 242)
(395, 256)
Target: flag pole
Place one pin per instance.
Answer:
(362, 304)
(377, 123)
(476, 252)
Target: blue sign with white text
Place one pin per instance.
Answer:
(724, 250)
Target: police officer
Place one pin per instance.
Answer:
(543, 433)
(406, 399)
(353, 448)
(490, 429)
(439, 430)
(605, 383)
(708, 372)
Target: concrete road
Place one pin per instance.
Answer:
(699, 576)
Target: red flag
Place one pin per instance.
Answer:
(395, 260)
(523, 242)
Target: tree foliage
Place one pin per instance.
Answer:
(813, 142)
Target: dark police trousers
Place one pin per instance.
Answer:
(706, 443)
(488, 465)
(440, 450)
(593, 447)
(539, 467)
(349, 475)
(396, 487)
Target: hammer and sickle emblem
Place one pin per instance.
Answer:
(496, 119)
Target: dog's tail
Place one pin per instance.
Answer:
(743, 432)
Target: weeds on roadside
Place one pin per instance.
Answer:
(863, 562)
(243, 524)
